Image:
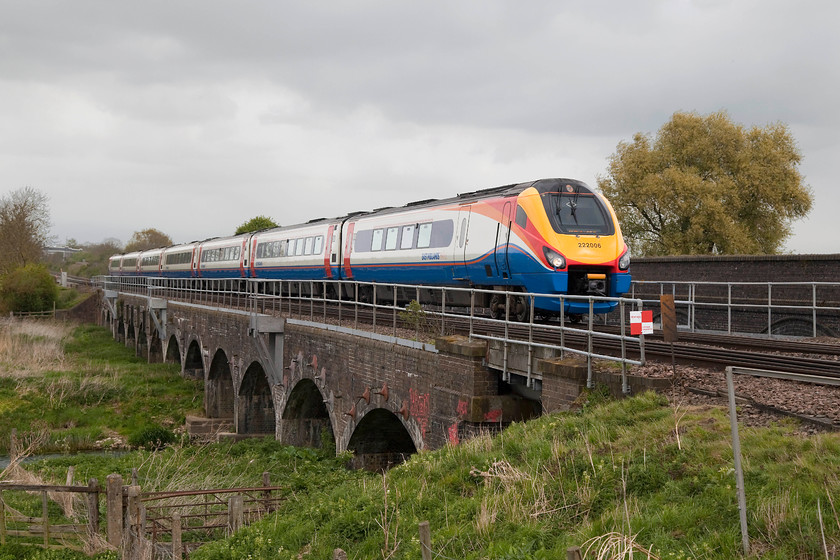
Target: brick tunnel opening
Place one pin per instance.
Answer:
(306, 421)
(173, 351)
(218, 389)
(256, 403)
(193, 364)
(380, 442)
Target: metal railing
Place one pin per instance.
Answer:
(805, 301)
(414, 312)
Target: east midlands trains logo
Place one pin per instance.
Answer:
(431, 256)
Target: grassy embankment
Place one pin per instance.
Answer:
(69, 389)
(637, 473)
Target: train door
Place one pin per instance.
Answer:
(347, 239)
(502, 239)
(329, 253)
(459, 251)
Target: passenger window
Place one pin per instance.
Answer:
(283, 248)
(299, 247)
(424, 236)
(391, 238)
(462, 238)
(319, 245)
(407, 240)
(376, 245)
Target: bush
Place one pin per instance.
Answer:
(29, 288)
(152, 437)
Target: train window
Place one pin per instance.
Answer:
(299, 247)
(440, 234)
(463, 235)
(362, 240)
(307, 247)
(407, 237)
(282, 249)
(521, 217)
(424, 236)
(376, 243)
(319, 245)
(391, 238)
(236, 253)
(577, 212)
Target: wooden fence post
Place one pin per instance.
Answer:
(2, 519)
(177, 549)
(132, 525)
(266, 481)
(425, 541)
(45, 502)
(235, 513)
(573, 553)
(114, 511)
(93, 507)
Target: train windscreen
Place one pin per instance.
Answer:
(577, 212)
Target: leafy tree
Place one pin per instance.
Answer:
(24, 228)
(705, 185)
(147, 239)
(29, 288)
(255, 224)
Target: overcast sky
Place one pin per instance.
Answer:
(193, 117)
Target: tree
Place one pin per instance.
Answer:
(705, 185)
(147, 239)
(24, 228)
(255, 224)
(29, 288)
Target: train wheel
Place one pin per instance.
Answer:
(575, 317)
(518, 308)
(497, 306)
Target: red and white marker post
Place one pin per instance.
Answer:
(641, 322)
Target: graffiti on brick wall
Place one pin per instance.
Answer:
(419, 409)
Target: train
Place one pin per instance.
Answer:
(550, 236)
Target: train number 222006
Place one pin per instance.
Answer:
(589, 244)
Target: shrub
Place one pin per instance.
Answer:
(152, 437)
(29, 288)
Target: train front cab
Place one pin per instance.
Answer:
(575, 234)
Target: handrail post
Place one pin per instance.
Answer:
(625, 388)
(769, 310)
(589, 381)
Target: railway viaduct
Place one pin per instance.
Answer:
(312, 384)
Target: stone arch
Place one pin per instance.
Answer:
(255, 403)
(193, 361)
(219, 397)
(797, 326)
(173, 351)
(380, 441)
(120, 330)
(305, 421)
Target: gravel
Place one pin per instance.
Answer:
(761, 400)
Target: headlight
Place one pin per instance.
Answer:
(554, 258)
(624, 261)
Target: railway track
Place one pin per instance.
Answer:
(697, 349)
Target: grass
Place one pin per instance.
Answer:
(639, 477)
(610, 479)
(69, 389)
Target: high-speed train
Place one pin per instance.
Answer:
(551, 236)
